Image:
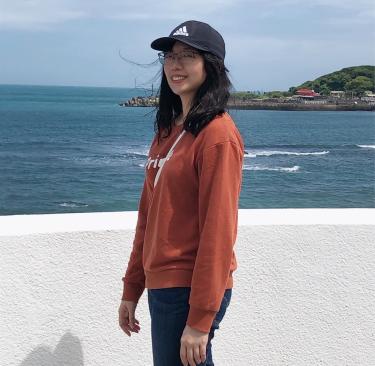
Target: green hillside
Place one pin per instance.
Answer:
(356, 79)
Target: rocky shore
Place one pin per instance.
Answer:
(140, 102)
(301, 106)
(290, 104)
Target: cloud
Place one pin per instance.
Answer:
(363, 17)
(42, 14)
(38, 14)
(332, 12)
(337, 4)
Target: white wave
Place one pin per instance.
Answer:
(104, 159)
(294, 168)
(95, 160)
(278, 152)
(72, 204)
(367, 146)
(138, 152)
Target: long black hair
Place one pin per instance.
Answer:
(209, 101)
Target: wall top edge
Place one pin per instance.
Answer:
(12, 225)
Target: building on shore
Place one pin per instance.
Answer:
(369, 97)
(337, 94)
(304, 92)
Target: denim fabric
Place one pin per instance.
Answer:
(169, 309)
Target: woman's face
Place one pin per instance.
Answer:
(191, 69)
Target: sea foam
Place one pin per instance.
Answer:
(277, 152)
(294, 168)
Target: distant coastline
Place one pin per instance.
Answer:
(349, 89)
(303, 106)
(322, 104)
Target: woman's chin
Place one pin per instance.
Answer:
(180, 91)
(177, 90)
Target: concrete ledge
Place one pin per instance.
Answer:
(127, 220)
(304, 290)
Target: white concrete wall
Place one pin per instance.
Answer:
(304, 291)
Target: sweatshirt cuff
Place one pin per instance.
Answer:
(200, 319)
(131, 292)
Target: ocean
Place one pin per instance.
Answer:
(74, 149)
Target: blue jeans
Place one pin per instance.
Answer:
(169, 309)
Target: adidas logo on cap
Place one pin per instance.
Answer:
(181, 32)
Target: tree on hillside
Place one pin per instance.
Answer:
(343, 80)
(324, 90)
(359, 85)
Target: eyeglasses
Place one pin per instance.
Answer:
(185, 57)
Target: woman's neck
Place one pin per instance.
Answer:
(179, 120)
(186, 102)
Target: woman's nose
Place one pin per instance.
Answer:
(175, 61)
(176, 65)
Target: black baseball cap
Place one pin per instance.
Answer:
(195, 34)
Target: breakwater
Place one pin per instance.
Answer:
(274, 104)
(140, 102)
(302, 106)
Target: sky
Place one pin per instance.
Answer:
(270, 44)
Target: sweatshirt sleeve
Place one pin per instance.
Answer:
(134, 279)
(220, 176)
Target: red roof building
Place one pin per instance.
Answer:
(307, 92)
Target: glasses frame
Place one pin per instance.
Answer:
(175, 55)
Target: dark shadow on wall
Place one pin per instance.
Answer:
(68, 352)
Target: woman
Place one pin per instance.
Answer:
(187, 218)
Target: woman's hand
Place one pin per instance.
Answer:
(193, 346)
(126, 317)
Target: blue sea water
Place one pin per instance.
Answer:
(74, 149)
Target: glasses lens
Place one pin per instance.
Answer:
(185, 57)
(161, 57)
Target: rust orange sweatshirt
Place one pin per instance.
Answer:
(187, 222)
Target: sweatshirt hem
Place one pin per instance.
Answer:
(174, 278)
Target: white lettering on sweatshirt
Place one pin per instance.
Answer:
(158, 162)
